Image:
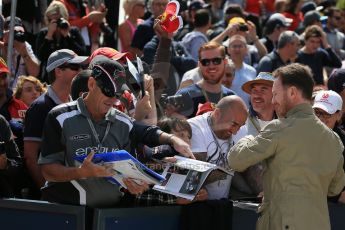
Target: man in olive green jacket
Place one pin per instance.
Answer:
(302, 157)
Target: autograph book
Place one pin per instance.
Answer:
(124, 166)
(185, 177)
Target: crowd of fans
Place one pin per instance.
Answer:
(225, 48)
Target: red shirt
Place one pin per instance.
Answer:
(17, 110)
(253, 6)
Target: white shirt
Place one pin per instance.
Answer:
(193, 74)
(21, 66)
(204, 141)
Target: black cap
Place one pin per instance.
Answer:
(308, 6)
(276, 20)
(79, 83)
(326, 3)
(336, 81)
(109, 74)
(311, 17)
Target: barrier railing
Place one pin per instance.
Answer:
(32, 214)
(137, 218)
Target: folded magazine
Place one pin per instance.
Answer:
(124, 166)
(185, 177)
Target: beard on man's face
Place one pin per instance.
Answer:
(214, 78)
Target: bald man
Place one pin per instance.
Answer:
(212, 138)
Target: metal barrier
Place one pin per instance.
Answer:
(32, 214)
(137, 218)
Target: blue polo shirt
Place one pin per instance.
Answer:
(143, 34)
(193, 96)
(37, 113)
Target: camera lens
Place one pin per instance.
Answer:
(62, 23)
(243, 27)
(19, 36)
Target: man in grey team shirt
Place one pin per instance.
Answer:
(91, 125)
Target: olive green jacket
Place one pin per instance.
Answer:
(303, 164)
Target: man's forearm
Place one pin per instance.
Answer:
(161, 66)
(148, 135)
(261, 47)
(31, 151)
(58, 173)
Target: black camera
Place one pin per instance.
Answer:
(243, 27)
(62, 23)
(175, 100)
(19, 36)
(183, 103)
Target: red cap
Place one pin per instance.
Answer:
(173, 7)
(204, 108)
(3, 66)
(170, 20)
(109, 53)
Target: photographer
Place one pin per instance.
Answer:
(24, 61)
(90, 19)
(57, 35)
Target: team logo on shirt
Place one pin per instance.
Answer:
(80, 137)
(21, 113)
(96, 149)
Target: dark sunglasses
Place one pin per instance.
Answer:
(337, 18)
(106, 91)
(215, 61)
(74, 67)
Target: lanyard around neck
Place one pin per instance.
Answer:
(95, 134)
(222, 158)
(206, 96)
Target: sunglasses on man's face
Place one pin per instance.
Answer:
(74, 67)
(215, 61)
(337, 18)
(107, 91)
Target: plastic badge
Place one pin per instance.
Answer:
(170, 21)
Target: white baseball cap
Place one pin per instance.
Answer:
(329, 101)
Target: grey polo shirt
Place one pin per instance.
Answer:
(67, 133)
